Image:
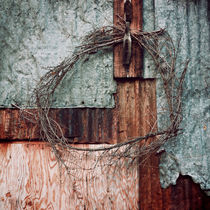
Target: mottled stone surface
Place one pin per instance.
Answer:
(35, 34)
(190, 153)
(148, 25)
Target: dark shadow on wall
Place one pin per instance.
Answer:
(188, 195)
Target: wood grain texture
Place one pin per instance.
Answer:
(30, 178)
(135, 68)
(137, 107)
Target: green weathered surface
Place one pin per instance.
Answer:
(35, 34)
(190, 153)
(148, 25)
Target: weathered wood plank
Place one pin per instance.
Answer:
(133, 101)
(135, 68)
(184, 195)
(30, 178)
(137, 108)
(14, 126)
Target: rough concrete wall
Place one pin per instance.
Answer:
(148, 25)
(40, 33)
(190, 153)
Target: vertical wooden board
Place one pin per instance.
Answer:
(148, 122)
(129, 109)
(135, 68)
(30, 178)
(148, 109)
(136, 105)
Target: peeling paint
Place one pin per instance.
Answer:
(189, 154)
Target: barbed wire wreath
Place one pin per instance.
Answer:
(160, 47)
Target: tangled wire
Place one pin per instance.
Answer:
(160, 47)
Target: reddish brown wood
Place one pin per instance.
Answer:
(134, 99)
(135, 68)
(184, 195)
(14, 126)
(136, 103)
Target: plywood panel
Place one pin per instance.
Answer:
(30, 178)
(135, 68)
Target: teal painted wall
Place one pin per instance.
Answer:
(42, 33)
(189, 154)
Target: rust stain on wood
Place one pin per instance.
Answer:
(91, 125)
(13, 126)
(135, 68)
(31, 179)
